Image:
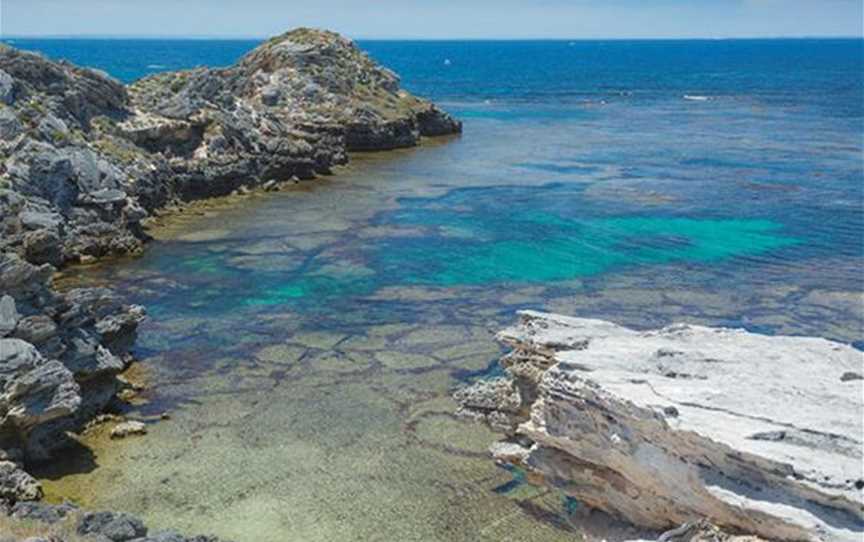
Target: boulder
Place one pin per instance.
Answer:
(37, 220)
(756, 434)
(18, 277)
(112, 526)
(9, 316)
(16, 485)
(7, 88)
(10, 125)
(47, 520)
(126, 429)
(45, 513)
(43, 246)
(33, 390)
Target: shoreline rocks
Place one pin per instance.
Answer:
(758, 435)
(128, 428)
(60, 521)
(84, 159)
(58, 364)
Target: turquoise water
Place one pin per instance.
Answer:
(307, 341)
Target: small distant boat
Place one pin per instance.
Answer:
(695, 98)
(447, 62)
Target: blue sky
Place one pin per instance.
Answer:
(438, 18)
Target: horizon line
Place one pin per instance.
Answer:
(204, 37)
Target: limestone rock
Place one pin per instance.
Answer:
(45, 513)
(58, 365)
(32, 390)
(10, 124)
(111, 526)
(125, 429)
(16, 485)
(9, 316)
(494, 402)
(756, 434)
(7, 88)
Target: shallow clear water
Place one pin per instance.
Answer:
(306, 342)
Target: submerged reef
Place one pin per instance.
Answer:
(85, 161)
(755, 434)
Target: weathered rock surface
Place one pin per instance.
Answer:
(756, 434)
(16, 485)
(126, 429)
(58, 363)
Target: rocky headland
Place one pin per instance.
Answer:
(669, 428)
(85, 161)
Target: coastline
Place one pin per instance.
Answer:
(168, 135)
(232, 461)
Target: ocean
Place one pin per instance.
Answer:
(307, 342)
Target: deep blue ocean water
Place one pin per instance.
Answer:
(645, 182)
(762, 130)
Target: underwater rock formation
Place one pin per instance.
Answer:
(756, 434)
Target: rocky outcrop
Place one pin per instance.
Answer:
(16, 485)
(59, 356)
(83, 159)
(756, 434)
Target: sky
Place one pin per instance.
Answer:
(436, 19)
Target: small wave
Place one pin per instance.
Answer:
(696, 98)
(156, 67)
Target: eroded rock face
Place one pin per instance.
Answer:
(757, 434)
(33, 390)
(16, 485)
(59, 355)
